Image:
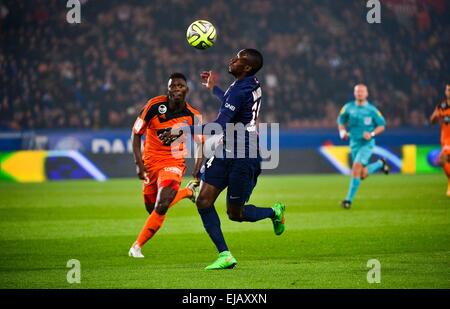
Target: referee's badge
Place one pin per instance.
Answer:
(367, 121)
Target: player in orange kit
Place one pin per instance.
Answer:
(442, 114)
(162, 166)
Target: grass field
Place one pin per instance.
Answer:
(403, 221)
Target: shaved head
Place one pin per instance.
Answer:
(254, 59)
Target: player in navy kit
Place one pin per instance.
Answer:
(240, 164)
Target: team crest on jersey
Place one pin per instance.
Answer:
(162, 109)
(367, 121)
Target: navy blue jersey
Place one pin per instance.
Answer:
(240, 105)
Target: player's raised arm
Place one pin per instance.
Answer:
(209, 80)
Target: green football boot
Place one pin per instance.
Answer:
(224, 261)
(278, 220)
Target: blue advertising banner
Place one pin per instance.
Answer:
(119, 141)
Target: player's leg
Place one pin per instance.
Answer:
(150, 191)
(355, 181)
(376, 166)
(168, 185)
(241, 181)
(190, 192)
(445, 161)
(213, 182)
(149, 202)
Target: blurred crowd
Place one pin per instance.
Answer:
(100, 73)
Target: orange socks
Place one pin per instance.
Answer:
(155, 220)
(151, 226)
(181, 194)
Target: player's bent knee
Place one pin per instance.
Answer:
(234, 215)
(149, 207)
(357, 170)
(202, 203)
(166, 197)
(149, 202)
(162, 207)
(364, 173)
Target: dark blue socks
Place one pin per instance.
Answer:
(211, 222)
(251, 213)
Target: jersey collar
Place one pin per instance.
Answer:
(245, 79)
(365, 103)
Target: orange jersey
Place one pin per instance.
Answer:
(156, 116)
(444, 116)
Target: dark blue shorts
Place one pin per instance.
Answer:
(239, 175)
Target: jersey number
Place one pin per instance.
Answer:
(257, 104)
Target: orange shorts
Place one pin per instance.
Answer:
(445, 150)
(158, 175)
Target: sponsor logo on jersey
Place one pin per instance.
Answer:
(173, 169)
(162, 109)
(229, 106)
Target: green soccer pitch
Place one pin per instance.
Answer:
(402, 221)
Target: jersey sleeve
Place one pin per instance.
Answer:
(141, 123)
(378, 118)
(230, 107)
(218, 93)
(343, 116)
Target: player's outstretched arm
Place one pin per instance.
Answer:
(210, 80)
(140, 167)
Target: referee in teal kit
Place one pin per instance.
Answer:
(361, 121)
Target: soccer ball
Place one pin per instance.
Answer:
(201, 34)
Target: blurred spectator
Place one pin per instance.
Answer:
(99, 74)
